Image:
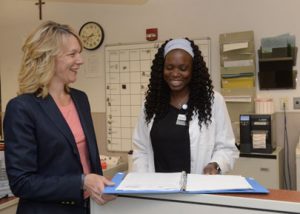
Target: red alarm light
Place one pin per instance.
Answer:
(151, 34)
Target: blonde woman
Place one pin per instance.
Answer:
(52, 158)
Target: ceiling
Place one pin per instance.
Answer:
(12, 12)
(132, 2)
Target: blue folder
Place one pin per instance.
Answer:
(117, 179)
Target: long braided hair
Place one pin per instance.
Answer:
(201, 89)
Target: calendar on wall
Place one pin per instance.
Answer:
(127, 73)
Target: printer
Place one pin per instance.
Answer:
(257, 133)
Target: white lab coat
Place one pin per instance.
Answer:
(215, 143)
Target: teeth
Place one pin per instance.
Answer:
(176, 82)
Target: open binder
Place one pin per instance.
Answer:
(163, 183)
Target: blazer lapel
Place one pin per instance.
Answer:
(50, 108)
(85, 124)
(82, 117)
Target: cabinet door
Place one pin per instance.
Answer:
(9, 210)
(298, 168)
(265, 171)
(8, 207)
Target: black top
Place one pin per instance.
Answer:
(171, 142)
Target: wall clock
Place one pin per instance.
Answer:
(92, 35)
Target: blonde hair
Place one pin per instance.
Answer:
(40, 50)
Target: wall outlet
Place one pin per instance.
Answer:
(296, 101)
(283, 102)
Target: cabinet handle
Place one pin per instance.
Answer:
(264, 169)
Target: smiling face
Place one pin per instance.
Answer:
(178, 70)
(68, 61)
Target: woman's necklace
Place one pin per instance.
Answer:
(182, 103)
(184, 106)
(182, 117)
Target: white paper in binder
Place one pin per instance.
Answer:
(264, 106)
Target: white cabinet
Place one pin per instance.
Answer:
(267, 169)
(298, 165)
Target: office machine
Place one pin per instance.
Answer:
(257, 133)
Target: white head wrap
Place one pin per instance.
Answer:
(179, 44)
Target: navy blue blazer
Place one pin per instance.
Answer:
(42, 159)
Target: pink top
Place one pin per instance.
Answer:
(71, 116)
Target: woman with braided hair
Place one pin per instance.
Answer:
(184, 124)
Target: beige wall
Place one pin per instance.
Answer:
(99, 120)
(293, 133)
(127, 24)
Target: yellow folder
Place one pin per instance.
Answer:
(239, 82)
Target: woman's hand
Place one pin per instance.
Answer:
(95, 185)
(211, 169)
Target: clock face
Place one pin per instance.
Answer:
(92, 35)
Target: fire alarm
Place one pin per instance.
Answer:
(151, 34)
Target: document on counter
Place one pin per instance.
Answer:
(145, 183)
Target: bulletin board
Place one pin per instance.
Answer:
(127, 73)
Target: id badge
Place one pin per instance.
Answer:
(181, 120)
